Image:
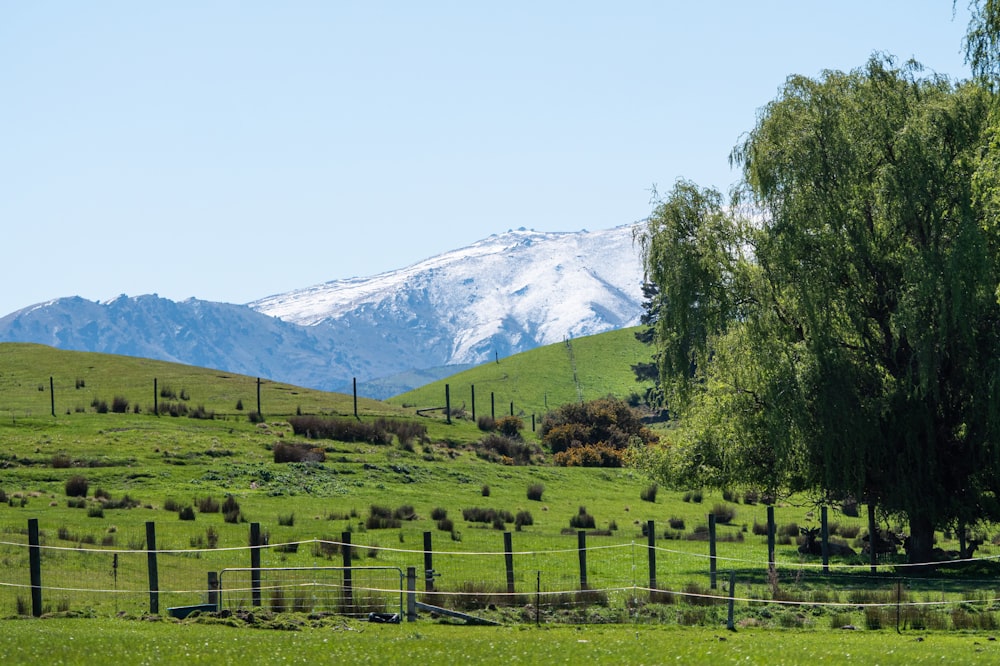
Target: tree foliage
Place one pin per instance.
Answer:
(835, 326)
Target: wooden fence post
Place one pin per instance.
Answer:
(428, 563)
(154, 577)
(35, 566)
(825, 536)
(872, 537)
(447, 403)
(411, 594)
(52, 395)
(354, 384)
(255, 563)
(493, 406)
(259, 413)
(770, 540)
(651, 549)
(156, 398)
(473, 403)
(712, 583)
(348, 574)
(732, 601)
(508, 556)
(581, 544)
(213, 589)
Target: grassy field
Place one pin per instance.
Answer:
(94, 560)
(542, 379)
(77, 641)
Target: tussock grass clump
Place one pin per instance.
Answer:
(695, 496)
(438, 513)
(285, 452)
(382, 517)
(480, 515)
(486, 423)
(119, 404)
(61, 461)
(506, 449)
(523, 518)
(342, 430)
(446, 524)
(582, 520)
(676, 523)
(208, 505)
(648, 494)
(286, 520)
(535, 491)
(724, 513)
(186, 513)
(77, 486)
(231, 512)
(485, 491)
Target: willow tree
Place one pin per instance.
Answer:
(835, 326)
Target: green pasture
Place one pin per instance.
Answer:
(542, 379)
(94, 558)
(84, 641)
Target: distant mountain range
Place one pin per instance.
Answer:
(507, 293)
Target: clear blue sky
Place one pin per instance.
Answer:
(232, 150)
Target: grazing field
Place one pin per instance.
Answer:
(505, 542)
(125, 642)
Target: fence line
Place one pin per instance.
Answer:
(618, 570)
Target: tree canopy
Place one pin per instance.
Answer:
(834, 326)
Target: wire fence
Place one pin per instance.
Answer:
(589, 578)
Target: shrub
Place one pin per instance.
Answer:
(380, 518)
(286, 521)
(693, 496)
(676, 523)
(607, 421)
(485, 491)
(446, 525)
(72, 502)
(239, 405)
(76, 486)
(285, 452)
(648, 494)
(724, 513)
(100, 406)
(589, 455)
(340, 429)
(208, 505)
(509, 426)
(438, 513)
(255, 417)
(507, 450)
(535, 491)
(61, 461)
(231, 512)
(486, 423)
(200, 412)
(406, 431)
(478, 515)
(186, 513)
(523, 518)
(751, 497)
(96, 511)
(582, 520)
(101, 493)
(119, 404)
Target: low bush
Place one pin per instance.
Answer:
(485, 491)
(535, 491)
(438, 513)
(479, 515)
(119, 404)
(286, 520)
(77, 486)
(648, 494)
(523, 518)
(208, 505)
(724, 513)
(676, 523)
(293, 452)
(342, 430)
(589, 455)
(582, 520)
(507, 450)
(486, 423)
(186, 513)
(445, 524)
(61, 461)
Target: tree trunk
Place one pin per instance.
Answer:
(921, 540)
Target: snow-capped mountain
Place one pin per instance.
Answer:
(505, 294)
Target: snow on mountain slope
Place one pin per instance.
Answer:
(504, 294)
(508, 293)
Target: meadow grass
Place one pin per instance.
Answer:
(162, 462)
(84, 641)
